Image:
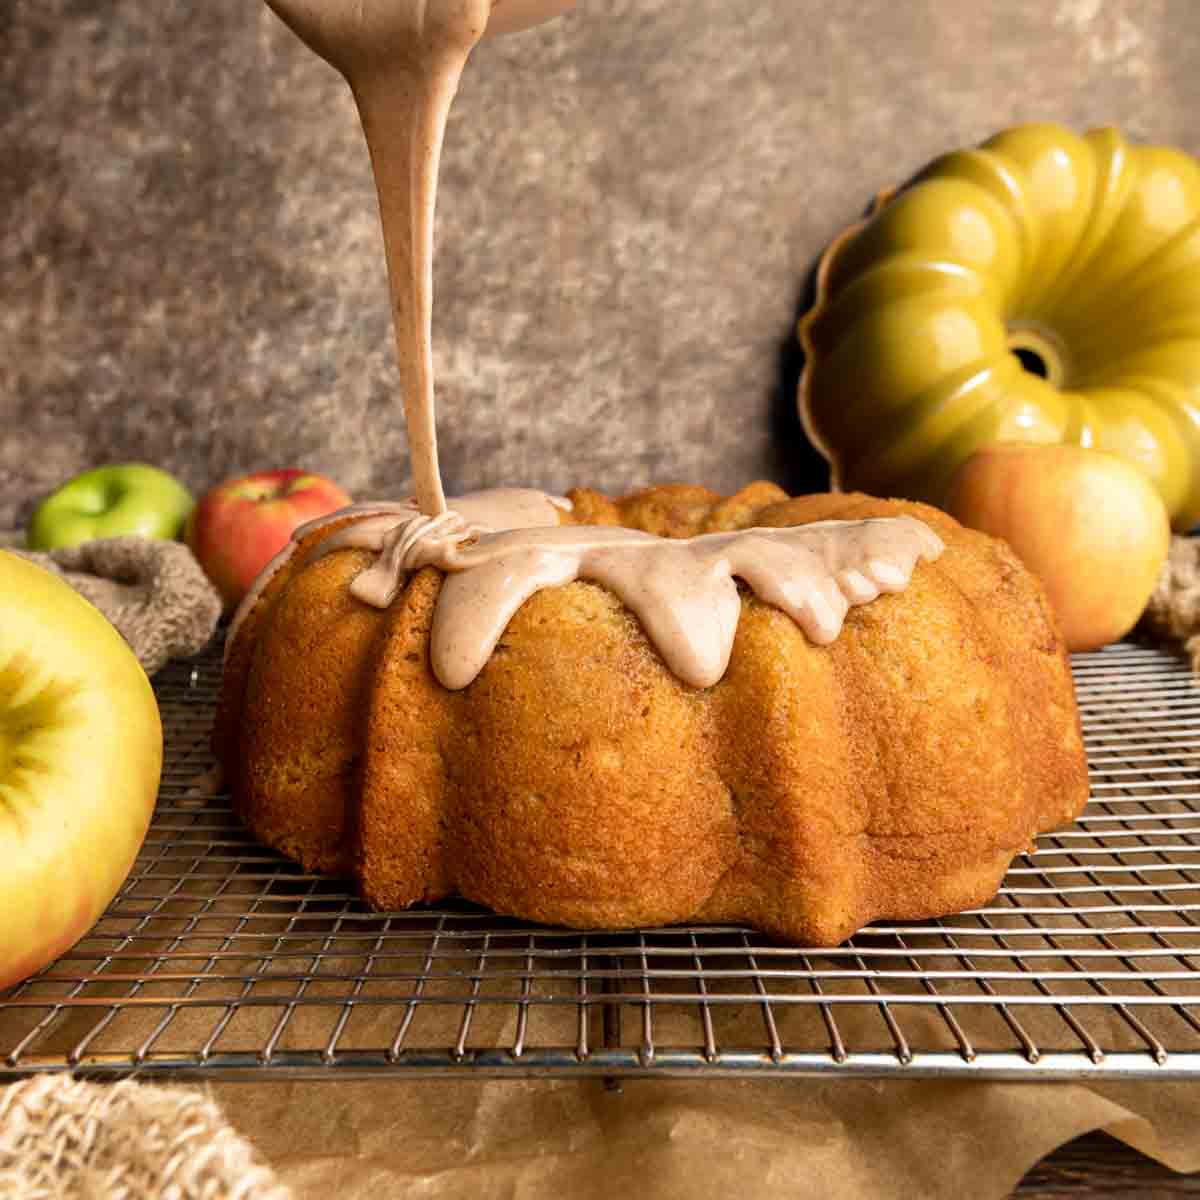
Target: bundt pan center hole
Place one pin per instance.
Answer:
(1040, 354)
(1031, 360)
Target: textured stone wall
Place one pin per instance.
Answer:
(633, 197)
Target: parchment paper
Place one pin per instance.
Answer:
(837, 1138)
(840, 1137)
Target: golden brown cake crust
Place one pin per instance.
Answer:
(892, 774)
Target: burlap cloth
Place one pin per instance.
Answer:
(65, 1139)
(1174, 609)
(153, 591)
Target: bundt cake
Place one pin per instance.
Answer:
(892, 772)
(1041, 287)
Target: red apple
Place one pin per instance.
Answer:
(240, 525)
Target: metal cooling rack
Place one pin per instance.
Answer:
(221, 959)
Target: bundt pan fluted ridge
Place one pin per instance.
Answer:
(891, 774)
(1041, 287)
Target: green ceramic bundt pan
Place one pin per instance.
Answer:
(1042, 287)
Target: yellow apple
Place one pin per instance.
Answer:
(1088, 524)
(80, 759)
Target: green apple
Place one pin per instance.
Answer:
(80, 759)
(128, 498)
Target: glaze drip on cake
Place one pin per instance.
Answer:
(403, 60)
(682, 590)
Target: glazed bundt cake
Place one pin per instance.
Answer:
(1041, 287)
(891, 773)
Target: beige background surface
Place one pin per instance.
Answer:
(190, 268)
